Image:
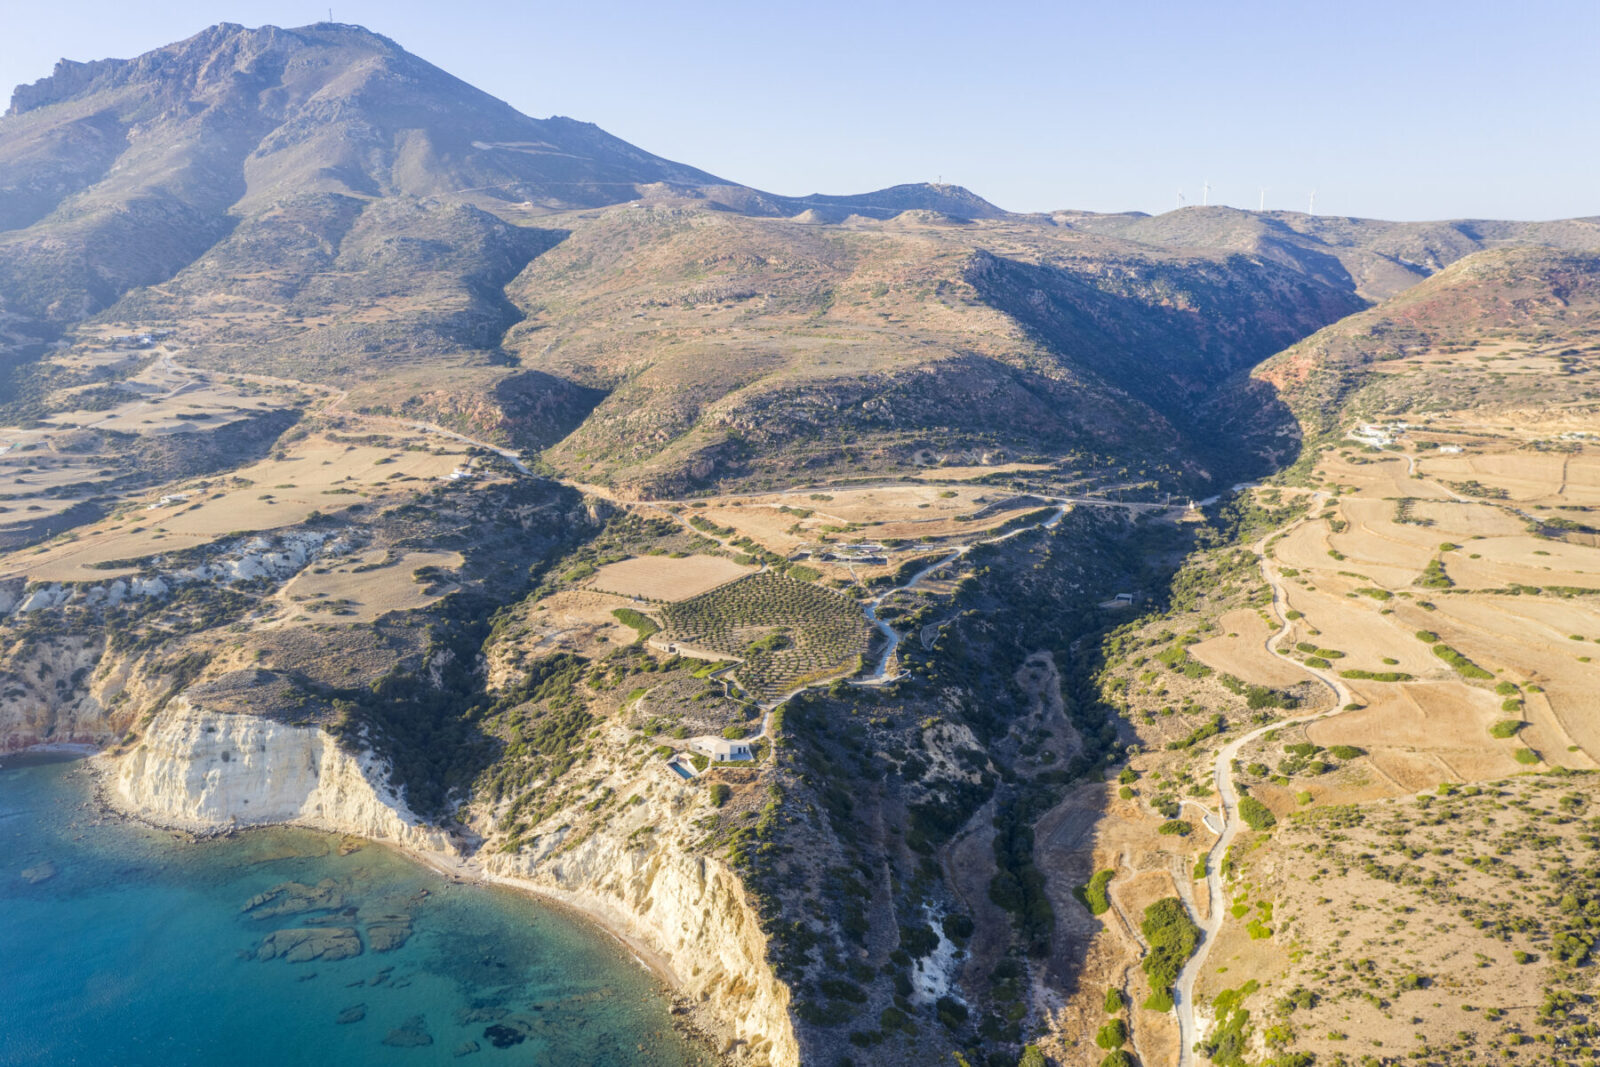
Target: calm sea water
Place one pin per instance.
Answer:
(122, 946)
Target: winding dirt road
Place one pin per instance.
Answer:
(1183, 992)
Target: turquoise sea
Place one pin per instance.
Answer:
(123, 946)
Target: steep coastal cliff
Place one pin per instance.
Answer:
(687, 915)
(200, 770)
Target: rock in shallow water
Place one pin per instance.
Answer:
(39, 872)
(299, 946)
(502, 1036)
(293, 898)
(413, 1033)
(353, 1014)
(387, 936)
(467, 1048)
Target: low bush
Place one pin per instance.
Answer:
(1256, 814)
(1095, 896)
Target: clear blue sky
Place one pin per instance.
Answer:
(1405, 109)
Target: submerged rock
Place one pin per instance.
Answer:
(300, 946)
(353, 1014)
(293, 898)
(387, 936)
(39, 872)
(413, 1033)
(501, 1036)
(467, 1048)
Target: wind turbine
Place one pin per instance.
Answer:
(1311, 209)
(1205, 194)
(1263, 205)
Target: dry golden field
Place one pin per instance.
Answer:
(664, 578)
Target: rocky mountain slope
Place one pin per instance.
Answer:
(357, 427)
(1373, 257)
(1498, 298)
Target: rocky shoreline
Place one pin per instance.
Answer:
(692, 1021)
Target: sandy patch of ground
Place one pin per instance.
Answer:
(365, 587)
(962, 474)
(576, 621)
(665, 578)
(1446, 724)
(1523, 560)
(1242, 652)
(317, 474)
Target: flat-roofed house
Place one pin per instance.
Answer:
(721, 750)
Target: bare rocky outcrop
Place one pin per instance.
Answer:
(689, 912)
(201, 770)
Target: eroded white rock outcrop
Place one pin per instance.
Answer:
(690, 911)
(202, 770)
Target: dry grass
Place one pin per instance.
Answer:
(349, 593)
(317, 473)
(663, 578)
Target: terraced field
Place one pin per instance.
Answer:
(786, 632)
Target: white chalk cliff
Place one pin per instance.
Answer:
(202, 770)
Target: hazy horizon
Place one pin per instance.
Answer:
(1426, 112)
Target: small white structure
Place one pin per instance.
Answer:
(721, 750)
(1451, 450)
(1121, 600)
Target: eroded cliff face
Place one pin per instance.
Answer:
(691, 911)
(65, 689)
(200, 770)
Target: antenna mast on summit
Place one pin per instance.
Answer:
(1180, 197)
(1311, 208)
(1205, 194)
(1263, 205)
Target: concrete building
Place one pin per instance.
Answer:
(721, 750)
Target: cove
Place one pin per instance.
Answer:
(125, 945)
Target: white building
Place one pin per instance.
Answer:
(721, 750)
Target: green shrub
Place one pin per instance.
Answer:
(1434, 576)
(643, 624)
(1175, 826)
(719, 794)
(1114, 1001)
(1256, 814)
(1463, 666)
(1120, 1058)
(1506, 728)
(1346, 752)
(1376, 676)
(1095, 896)
(1172, 937)
(1113, 1034)
(1525, 755)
